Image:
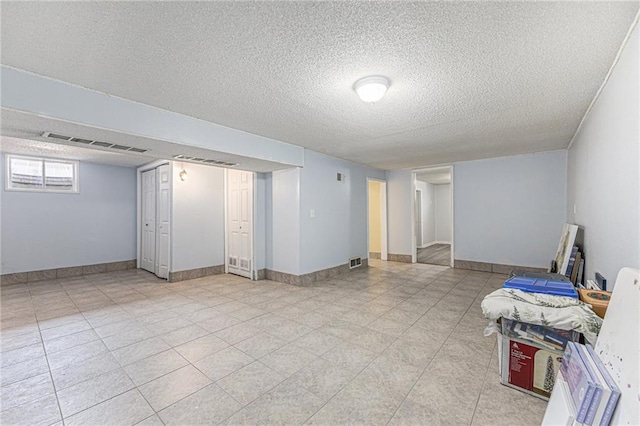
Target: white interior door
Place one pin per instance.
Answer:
(148, 249)
(239, 222)
(163, 214)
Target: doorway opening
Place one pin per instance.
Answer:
(377, 219)
(239, 223)
(433, 216)
(154, 223)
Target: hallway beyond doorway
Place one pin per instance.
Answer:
(436, 254)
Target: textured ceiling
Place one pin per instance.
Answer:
(469, 80)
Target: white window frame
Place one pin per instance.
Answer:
(76, 178)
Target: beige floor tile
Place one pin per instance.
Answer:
(248, 383)
(223, 363)
(93, 391)
(174, 386)
(155, 366)
(126, 409)
(210, 405)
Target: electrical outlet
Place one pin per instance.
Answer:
(312, 213)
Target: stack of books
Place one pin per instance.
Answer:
(593, 392)
(575, 268)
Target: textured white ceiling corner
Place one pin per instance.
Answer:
(469, 80)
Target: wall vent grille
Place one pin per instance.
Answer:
(355, 262)
(94, 143)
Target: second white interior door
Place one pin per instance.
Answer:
(240, 222)
(156, 220)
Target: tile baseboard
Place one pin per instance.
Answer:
(191, 274)
(375, 255)
(312, 277)
(404, 258)
(68, 272)
(495, 268)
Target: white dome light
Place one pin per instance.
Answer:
(372, 88)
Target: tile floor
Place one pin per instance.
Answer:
(391, 344)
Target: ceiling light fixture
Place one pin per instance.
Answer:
(371, 89)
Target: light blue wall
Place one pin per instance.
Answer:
(47, 230)
(510, 210)
(339, 229)
(603, 173)
(399, 207)
(285, 221)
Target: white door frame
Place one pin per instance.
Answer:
(254, 272)
(449, 168)
(146, 167)
(384, 244)
(418, 196)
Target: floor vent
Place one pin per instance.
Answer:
(204, 160)
(50, 135)
(354, 262)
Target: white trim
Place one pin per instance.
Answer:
(254, 208)
(412, 208)
(224, 220)
(451, 237)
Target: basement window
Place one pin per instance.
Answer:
(41, 174)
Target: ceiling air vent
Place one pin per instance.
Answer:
(102, 144)
(80, 140)
(204, 160)
(93, 143)
(54, 136)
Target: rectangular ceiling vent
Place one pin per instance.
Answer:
(354, 262)
(93, 143)
(204, 161)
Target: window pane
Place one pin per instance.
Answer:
(58, 176)
(26, 173)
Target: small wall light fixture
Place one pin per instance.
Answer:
(183, 174)
(371, 89)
